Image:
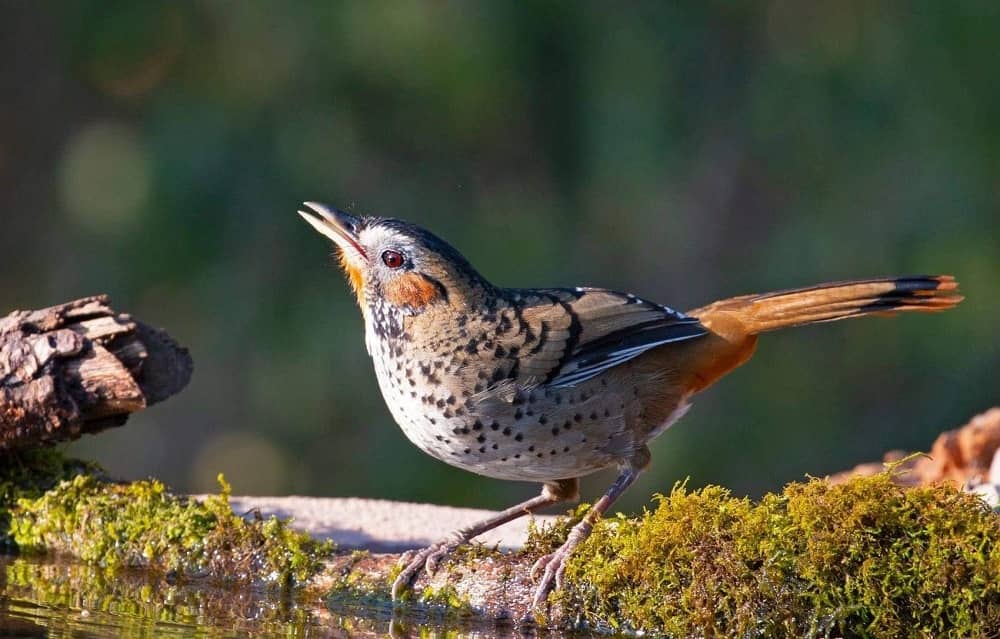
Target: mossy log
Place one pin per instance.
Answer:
(80, 367)
(865, 558)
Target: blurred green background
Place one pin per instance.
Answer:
(686, 152)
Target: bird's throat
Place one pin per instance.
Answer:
(354, 276)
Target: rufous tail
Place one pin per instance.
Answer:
(835, 301)
(735, 323)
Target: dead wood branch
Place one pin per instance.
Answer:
(80, 367)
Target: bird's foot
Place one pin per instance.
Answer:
(427, 559)
(548, 571)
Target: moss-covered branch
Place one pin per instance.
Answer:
(49, 504)
(864, 558)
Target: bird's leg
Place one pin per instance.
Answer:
(554, 564)
(428, 558)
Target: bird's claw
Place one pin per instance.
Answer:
(427, 558)
(548, 571)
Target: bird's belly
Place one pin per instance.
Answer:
(543, 436)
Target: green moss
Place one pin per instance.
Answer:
(140, 524)
(866, 558)
(446, 599)
(28, 474)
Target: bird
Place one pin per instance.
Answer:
(551, 384)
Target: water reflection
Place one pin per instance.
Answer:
(66, 599)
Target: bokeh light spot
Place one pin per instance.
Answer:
(252, 464)
(105, 177)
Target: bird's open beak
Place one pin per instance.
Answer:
(336, 225)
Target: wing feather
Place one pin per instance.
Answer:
(567, 336)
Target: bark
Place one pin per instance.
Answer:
(78, 368)
(962, 456)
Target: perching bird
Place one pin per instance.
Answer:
(548, 385)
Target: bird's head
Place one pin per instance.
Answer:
(397, 263)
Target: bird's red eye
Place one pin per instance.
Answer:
(393, 259)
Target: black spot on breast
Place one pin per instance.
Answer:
(519, 437)
(494, 426)
(555, 431)
(477, 425)
(543, 420)
(518, 414)
(531, 449)
(506, 431)
(481, 439)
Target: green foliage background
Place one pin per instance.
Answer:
(684, 151)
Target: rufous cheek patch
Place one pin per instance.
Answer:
(411, 289)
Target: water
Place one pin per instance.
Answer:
(65, 599)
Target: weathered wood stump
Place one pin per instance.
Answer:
(80, 367)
